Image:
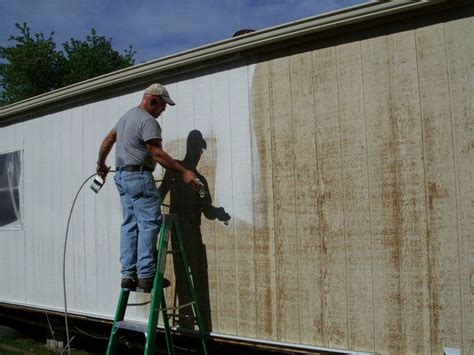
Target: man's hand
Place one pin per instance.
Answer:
(190, 178)
(102, 170)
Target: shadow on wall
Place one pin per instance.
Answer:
(189, 204)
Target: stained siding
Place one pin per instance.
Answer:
(346, 167)
(460, 66)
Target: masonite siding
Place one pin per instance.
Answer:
(460, 67)
(346, 167)
(379, 135)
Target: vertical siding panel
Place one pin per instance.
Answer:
(225, 248)
(57, 208)
(330, 196)
(207, 168)
(65, 125)
(384, 200)
(185, 108)
(8, 234)
(38, 274)
(185, 124)
(460, 57)
(28, 179)
(356, 197)
(64, 142)
(242, 197)
(77, 219)
(4, 234)
(114, 208)
(169, 125)
(443, 238)
(284, 200)
(101, 253)
(46, 172)
(409, 156)
(265, 263)
(309, 247)
(91, 269)
(12, 234)
(15, 235)
(20, 235)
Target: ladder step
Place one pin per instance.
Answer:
(169, 230)
(133, 326)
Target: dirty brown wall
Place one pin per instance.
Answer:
(364, 224)
(361, 163)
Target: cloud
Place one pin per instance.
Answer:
(156, 28)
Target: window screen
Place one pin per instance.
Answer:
(10, 173)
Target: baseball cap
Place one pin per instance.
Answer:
(159, 90)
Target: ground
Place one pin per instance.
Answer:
(12, 345)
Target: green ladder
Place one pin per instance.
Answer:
(170, 223)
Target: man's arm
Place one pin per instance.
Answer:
(104, 151)
(158, 154)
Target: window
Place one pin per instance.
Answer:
(10, 173)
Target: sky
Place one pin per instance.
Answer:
(155, 28)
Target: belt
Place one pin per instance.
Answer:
(133, 168)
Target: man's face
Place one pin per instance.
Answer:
(158, 106)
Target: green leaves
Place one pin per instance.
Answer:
(34, 65)
(93, 57)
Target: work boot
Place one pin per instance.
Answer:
(146, 284)
(129, 284)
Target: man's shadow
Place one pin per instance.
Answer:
(189, 204)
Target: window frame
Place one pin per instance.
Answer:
(17, 225)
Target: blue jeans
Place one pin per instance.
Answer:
(141, 222)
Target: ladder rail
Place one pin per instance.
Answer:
(158, 302)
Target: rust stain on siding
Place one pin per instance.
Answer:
(266, 296)
(323, 224)
(434, 192)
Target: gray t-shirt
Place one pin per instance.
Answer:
(134, 128)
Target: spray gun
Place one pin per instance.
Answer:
(201, 190)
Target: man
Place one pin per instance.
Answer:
(138, 137)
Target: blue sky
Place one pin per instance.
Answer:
(155, 28)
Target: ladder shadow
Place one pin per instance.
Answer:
(190, 205)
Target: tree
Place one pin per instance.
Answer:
(93, 57)
(34, 66)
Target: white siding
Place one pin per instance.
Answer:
(346, 168)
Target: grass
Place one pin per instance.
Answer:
(22, 345)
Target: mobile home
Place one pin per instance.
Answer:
(340, 145)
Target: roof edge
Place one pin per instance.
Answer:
(343, 17)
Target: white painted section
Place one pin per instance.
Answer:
(60, 151)
(452, 351)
